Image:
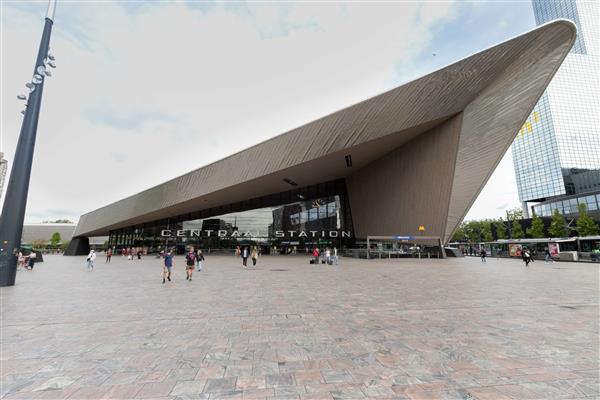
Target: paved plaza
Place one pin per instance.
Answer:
(387, 329)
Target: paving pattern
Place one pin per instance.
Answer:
(384, 329)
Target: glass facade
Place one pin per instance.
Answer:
(568, 205)
(557, 151)
(287, 222)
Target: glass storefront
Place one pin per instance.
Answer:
(304, 218)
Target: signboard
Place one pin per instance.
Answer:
(421, 228)
(515, 250)
(187, 233)
(403, 237)
(554, 250)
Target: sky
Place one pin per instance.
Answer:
(147, 91)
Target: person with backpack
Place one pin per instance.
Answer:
(190, 261)
(90, 260)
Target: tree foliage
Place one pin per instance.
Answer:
(585, 224)
(537, 228)
(55, 239)
(558, 227)
(486, 230)
(500, 229)
(514, 214)
(517, 230)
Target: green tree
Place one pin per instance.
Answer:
(517, 230)
(537, 228)
(558, 227)
(64, 245)
(514, 214)
(486, 230)
(473, 231)
(55, 239)
(500, 229)
(459, 234)
(585, 224)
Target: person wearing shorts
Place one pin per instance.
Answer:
(168, 266)
(190, 261)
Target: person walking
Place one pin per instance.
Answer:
(483, 254)
(32, 258)
(90, 260)
(254, 256)
(547, 255)
(328, 256)
(190, 261)
(335, 256)
(108, 255)
(315, 254)
(526, 257)
(168, 266)
(199, 259)
(139, 254)
(245, 256)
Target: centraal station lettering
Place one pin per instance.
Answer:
(278, 234)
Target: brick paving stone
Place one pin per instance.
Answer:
(446, 329)
(155, 389)
(336, 376)
(182, 374)
(220, 385)
(276, 380)
(154, 376)
(187, 388)
(250, 382)
(122, 391)
(89, 392)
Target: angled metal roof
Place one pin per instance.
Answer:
(493, 91)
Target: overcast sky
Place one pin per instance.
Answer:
(147, 91)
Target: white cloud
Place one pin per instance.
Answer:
(146, 94)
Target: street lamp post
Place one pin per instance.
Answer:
(15, 202)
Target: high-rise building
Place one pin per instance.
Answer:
(557, 151)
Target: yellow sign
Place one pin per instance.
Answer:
(421, 228)
(527, 127)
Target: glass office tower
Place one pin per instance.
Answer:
(557, 151)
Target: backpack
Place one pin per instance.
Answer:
(191, 257)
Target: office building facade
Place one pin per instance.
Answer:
(557, 151)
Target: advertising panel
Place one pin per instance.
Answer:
(554, 250)
(515, 250)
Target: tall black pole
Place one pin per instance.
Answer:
(15, 201)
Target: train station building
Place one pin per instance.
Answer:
(408, 162)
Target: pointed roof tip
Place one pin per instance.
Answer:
(567, 23)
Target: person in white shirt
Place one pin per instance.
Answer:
(90, 260)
